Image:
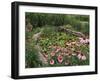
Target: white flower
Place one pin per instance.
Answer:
(86, 40)
(79, 56)
(83, 57)
(74, 54)
(83, 41)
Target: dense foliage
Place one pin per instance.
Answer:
(57, 47)
(78, 22)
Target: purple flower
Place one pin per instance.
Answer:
(51, 61)
(60, 59)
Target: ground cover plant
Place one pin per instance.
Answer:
(54, 40)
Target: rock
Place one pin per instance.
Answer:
(41, 57)
(29, 27)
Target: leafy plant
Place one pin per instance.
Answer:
(53, 43)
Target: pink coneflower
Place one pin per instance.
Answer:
(51, 61)
(83, 57)
(52, 53)
(79, 56)
(86, 41)
(57, 50)
(60, 58)
(82, 41)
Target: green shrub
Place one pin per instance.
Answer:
(32, 59)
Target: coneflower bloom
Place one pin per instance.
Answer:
(57, 50)
(52, 62)
(83, 57)
(60, 58)
(86, 41)
(82, 41)
(79, 56)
